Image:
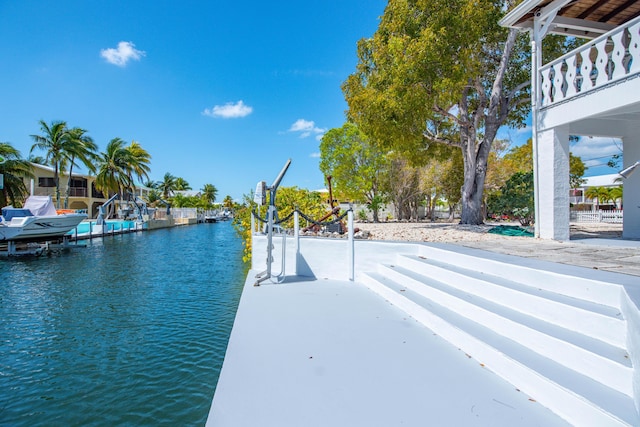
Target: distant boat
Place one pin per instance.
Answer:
(210, 218)
(218, 216)
(36, 221)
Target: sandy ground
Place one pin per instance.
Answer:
(454, 232)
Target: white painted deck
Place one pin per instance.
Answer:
(332, 353)
(432, 334)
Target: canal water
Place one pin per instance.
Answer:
(130, 330)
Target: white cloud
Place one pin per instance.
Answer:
(315, 155)
(306, 128)
(229, 110)
(125, 52)
(596, 150)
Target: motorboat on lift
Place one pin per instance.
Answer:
(37, 221)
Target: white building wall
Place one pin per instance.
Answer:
(631, 188)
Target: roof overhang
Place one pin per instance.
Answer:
(579, 18)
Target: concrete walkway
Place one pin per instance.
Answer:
(614, 255)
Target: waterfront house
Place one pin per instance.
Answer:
(83, 195)
(591, 91)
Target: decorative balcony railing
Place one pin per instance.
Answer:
(51, 191)
(612, 57)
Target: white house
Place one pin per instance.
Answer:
(607, 181)
(592, 91)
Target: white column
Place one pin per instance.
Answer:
(631, 188)
(553, 183)
(351, 255)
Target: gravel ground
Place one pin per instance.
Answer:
(454, 232)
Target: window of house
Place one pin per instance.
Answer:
(46, 182)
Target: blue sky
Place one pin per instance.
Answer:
(217, 92)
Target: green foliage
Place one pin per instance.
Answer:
(181, 184)
(228, 202)
(287, 200)
(603, 194)
(209, 193)
(14, 169)
(242, 223)
(576, 171)
(377, 203)
(358, 168)
(443, 71)
(168, 185)
(119, 163)
(515, 198)
(79, 146)
(52, 142)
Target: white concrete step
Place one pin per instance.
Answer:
(582, 288)
(582, 379)
(509, 323)
(602, 322)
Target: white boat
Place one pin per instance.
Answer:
(36, 221)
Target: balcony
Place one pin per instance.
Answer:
(51, 191)
(607, 60)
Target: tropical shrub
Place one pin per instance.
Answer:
(515, 198)
(288, 199)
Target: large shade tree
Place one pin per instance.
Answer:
(442, 71)
(14, 169)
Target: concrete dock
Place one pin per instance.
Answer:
(315, 350)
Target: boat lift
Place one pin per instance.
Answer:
(272, 219)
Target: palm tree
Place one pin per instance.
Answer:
(599, 194)
(209, 193)
(615, 194)
(14, 169)
(78, 146)
(167, 186)
(118, 165)
(182, 184)
(228, 202)
(113, 168)
(52, 142)
(36, 159)
(139, 162)
(150, 184)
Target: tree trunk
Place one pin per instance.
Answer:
(66, 199)
(475, 155)
(56, 178)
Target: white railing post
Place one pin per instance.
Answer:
(296, 235)
(351, 243)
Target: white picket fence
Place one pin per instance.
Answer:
(179, 213)
(614, 216)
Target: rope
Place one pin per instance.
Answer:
(324, 223)
(311, 220)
